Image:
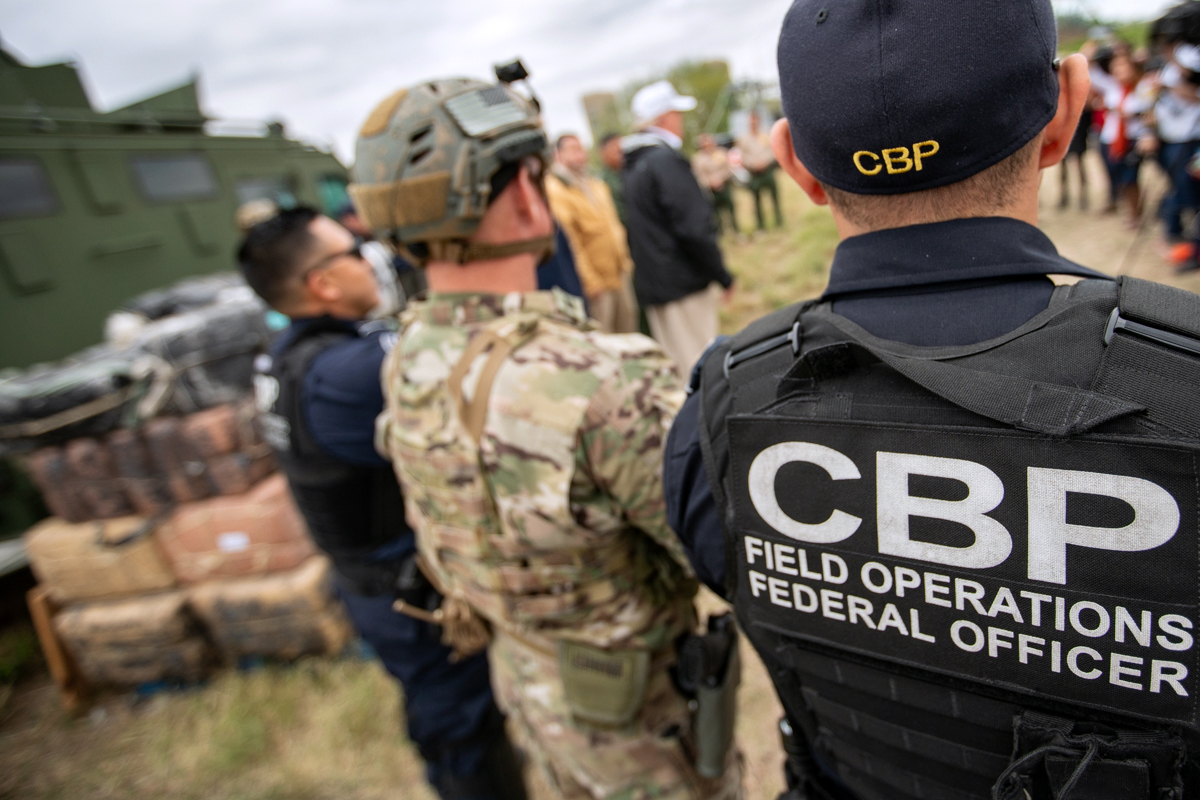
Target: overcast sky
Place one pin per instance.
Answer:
(321, 65)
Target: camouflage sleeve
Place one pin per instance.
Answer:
(624, 434)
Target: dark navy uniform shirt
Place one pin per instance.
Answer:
(342, 394)
(948, 283)
(341, 397)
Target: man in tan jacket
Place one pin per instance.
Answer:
(584, 208)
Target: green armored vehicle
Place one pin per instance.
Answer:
(98, 207)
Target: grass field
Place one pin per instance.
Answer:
(331, 728)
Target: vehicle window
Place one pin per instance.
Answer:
(172, 177)
(25, 189)
(332, 190)
(277, 189)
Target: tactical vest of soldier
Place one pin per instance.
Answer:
(969, 575)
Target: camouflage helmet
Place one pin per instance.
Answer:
(425, 159)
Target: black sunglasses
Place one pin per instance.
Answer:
(354, 252)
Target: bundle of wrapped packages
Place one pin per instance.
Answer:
(175, 543)
(196, 353)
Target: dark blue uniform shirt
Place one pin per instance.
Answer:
(342, 394)
(340, 399)
(948, 283)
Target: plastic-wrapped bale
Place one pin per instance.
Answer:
(93, 560)
(48, 469)
(249, 534)
(285, 615)
(225, 437)
(186, 295)
(89, 394)
(145, 486)
(176, 460)
(97, 479)
(211, 351)
(127, 642)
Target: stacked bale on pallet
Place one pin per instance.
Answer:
(147, 470)
(175, 542)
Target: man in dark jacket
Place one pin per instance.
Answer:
(319, 394)
(679, 272)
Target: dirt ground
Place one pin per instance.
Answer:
(328, 728)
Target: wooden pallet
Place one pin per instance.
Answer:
(62, 667)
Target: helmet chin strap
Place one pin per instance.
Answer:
(462, 253)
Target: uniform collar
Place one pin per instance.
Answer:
(464, 309)
(946, 252)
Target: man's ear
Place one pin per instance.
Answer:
(785, 154)
(1073, 86)
(320, 286)
(529, 202)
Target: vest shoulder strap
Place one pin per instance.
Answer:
(501, 339)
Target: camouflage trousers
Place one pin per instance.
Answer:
(646, 760)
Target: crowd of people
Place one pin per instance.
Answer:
(1144, 107)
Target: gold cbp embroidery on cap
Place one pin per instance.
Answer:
(898, 160)
(858, 163)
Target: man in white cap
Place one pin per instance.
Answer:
(679, 272)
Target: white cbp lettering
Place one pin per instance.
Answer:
(860, 608)
(754, 547)
(1025, 647)
(1056, 656)
(809, 602)
(778, 589)
(758, 582)
(1060, 614)
(914, 620)
(936, 584)
(961, 594)
(956, 636)
(1171, 672)
(770, 556)
(895, 506)
(890, 618)
(906, 579)
(828, 563)
(1035, 606)
(998, 638)
(1103, 622)
(875, 568)
(805, 572)
(765, 468)
(784, 555)
(1177, 626)
(1073, 662)
(831, 604)
(1155, 518)
(1125, 623)
(1005, 603)
(1117, 669)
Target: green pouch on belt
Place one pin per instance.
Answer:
(603, 687)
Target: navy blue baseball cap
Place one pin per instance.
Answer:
(896, 96)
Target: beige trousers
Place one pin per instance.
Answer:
(685, 327)
(615, 310)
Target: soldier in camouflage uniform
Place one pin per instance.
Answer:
(529, 446)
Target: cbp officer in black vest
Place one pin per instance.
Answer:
(954, 504)
(319, 394)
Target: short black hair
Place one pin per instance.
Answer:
(272, 252)
(608, 137)
(558, 143)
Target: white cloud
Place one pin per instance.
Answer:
(321, 65)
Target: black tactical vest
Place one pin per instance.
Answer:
(971, 571)
(351, 511)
